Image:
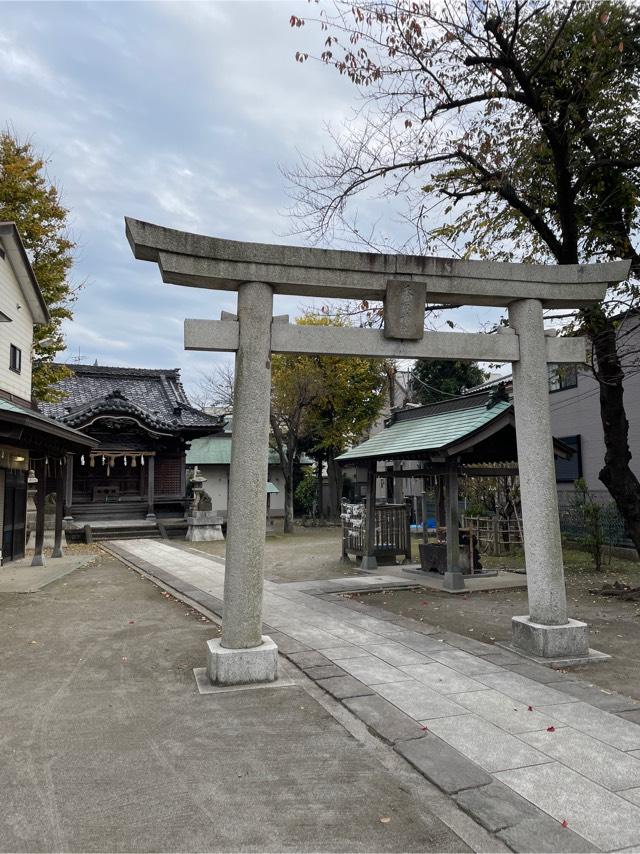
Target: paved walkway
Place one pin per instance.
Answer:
(545, 761)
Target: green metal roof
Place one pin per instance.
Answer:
(216, 451)
(272, 489)
(429, 433)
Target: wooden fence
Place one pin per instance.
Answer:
(495, 535)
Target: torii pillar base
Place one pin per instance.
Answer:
(226, 666)
(569, 640)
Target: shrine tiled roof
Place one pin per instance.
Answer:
(155, 396)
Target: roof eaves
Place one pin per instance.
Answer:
(11, 240)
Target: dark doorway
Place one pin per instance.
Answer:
(15, 515)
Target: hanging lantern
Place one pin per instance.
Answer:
(82, 460)
(103, 459)
(134, 462)
(125, 461)
(142, 460)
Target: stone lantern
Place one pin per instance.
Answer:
(203, 524)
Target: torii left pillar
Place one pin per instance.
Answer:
(244, 654)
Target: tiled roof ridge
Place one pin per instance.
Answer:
(112, 370)
(81, 414)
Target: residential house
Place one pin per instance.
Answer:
(29, 440)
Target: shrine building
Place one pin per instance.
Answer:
(142, 422)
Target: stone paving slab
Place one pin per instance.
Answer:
(372, 670)
(465, 644)
(443, 765)
(397, 654)
(501, 657)
(464, 662)
(455, 704)
(632, 795)
(419, 642)
(324, 671)
(600, 762)
(603, 726)
(540, 673)
(441, 678)
(545, 835)
(308, 659)
(502, 711)
(342, 687)
(602, 817)
(496, 806)
(485, 744)
(418, 701)
(335, 653)
(607, 700)
(523, 689)
(384, 719)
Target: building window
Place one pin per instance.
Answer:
(15, 358)
(562, 377)
(567, 471)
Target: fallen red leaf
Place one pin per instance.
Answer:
(425, 728)
(529, 708)
(551, 729)
(131, 622)
(565, 823)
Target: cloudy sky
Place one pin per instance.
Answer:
(179, 113)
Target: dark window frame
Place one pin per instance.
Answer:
(15, 359)
(565, 375)
(572, 441)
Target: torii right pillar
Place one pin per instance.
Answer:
(546, 631)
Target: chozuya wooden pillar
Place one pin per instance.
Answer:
(453, 577)
(257, 271)
(369, 561)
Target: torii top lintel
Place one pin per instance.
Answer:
(199, 261)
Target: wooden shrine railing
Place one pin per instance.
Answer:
(392, 531)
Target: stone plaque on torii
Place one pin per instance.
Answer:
(404, 283)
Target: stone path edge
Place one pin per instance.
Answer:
(444, 766)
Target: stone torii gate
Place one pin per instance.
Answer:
(404, 283)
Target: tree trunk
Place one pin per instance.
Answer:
(615, 474)
(320, 489)
(334, 470)
(288, 494)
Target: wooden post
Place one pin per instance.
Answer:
(60, 502)
(41, 489)
(453, 578)
(369, 561)
(407, 519)
(151, 487)
(68, 488)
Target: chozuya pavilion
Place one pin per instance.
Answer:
(404, 283)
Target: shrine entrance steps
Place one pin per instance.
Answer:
(125, 529)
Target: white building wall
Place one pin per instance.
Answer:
(576, 412)
(217, 488)
(18, 332)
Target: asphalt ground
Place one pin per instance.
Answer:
(106, 744)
